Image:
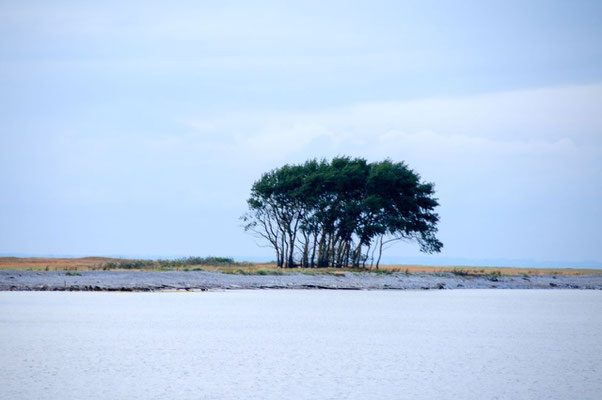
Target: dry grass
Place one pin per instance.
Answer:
(416, 269)
(58, 264)
(97, 263)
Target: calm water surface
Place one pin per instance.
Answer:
(461, 344)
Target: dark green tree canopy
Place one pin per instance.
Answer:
(341, 212)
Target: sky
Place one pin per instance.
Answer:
(138, 128)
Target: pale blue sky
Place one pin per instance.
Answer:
(137, 128)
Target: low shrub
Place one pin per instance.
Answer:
(461, 272)
(272, 271)
(170, 264)
(494, 276)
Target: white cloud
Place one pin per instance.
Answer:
(563, 120)
(473, 145)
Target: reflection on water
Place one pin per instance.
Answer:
(464, 344)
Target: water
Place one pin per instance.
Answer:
(462, 344)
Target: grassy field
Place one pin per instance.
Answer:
(244, 268)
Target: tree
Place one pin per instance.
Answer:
(331, 214)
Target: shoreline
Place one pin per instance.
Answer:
(145, 281)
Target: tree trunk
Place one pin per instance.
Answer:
(291, 250)
(282, 251)
(313, 250)
(339, 254)
(305, 259)
(366, 258)
(278, 257)
(346, 255)
(380, 251)
(331, 251)
(357, 254)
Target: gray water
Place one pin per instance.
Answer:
(462, 344)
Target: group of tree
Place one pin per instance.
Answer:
(342, 212)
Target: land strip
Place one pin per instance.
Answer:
(25, 280)
(246, 268)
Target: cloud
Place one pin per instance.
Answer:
(563, 120)
(473, 145)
